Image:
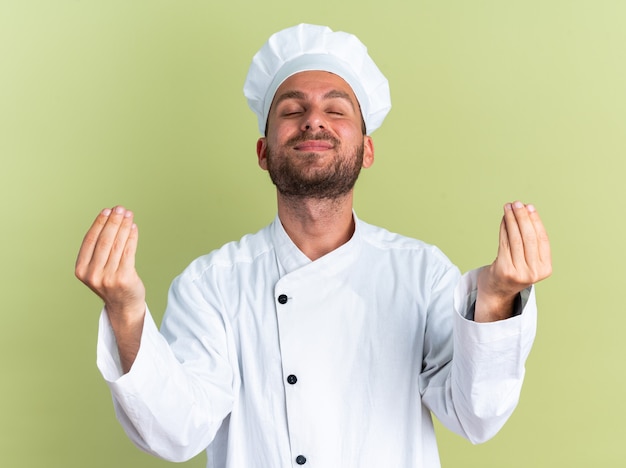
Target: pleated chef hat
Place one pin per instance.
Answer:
(308, 47)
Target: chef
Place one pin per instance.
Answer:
(321, 340)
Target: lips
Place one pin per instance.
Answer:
(314, 145)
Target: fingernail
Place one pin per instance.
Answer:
(128, 214)
(119, 210)
(531, 208)
(106, 212)
(518, 204)
(508, 206)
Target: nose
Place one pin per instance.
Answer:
(313, 120)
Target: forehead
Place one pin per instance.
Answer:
(313, 83)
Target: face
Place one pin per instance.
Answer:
(314, 145)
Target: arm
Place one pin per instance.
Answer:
(106, 264)
(476, 391)
(523, 259)
(193, 398)
(194, 378)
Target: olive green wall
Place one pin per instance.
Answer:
(139, 103)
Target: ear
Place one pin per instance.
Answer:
(261, 152)
(368, 151)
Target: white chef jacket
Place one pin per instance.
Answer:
(268, 359)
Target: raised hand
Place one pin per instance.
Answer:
(523, 259)
(106, 264)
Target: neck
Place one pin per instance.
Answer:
(317, 227)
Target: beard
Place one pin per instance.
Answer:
(301, 180)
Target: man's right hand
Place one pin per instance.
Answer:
(106, 264)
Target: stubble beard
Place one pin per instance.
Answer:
(329, 183)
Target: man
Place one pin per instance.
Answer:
(320, 340)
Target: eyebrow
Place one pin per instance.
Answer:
(339, 94)
(332, 94)
(289, 95)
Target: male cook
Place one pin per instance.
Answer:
(321, 340)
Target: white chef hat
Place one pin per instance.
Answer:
(308, 47)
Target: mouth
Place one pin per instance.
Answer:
(314, 145)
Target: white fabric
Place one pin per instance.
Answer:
(307, 47)
(368, 330)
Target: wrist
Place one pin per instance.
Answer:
(493, 307)
(124, 316)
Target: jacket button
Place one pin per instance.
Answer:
(300, 459)
(282, 299)
(292, 379)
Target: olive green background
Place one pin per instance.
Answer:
(139, 103)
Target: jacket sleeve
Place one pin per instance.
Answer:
(171, 403)
(474, 384)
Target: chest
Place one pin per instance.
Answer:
(360, 323)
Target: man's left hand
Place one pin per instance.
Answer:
(523, 259)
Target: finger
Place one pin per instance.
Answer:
(88, 245)
(504, 249)
(514, 236)
(127, 261)
(107, 239)
(528, 234)
(543, 241)
(119, 242)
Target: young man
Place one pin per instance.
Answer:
(320, 340)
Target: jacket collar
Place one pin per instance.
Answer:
(290, 258)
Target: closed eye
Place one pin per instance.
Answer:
(291, 112)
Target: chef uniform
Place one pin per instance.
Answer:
(268, 359)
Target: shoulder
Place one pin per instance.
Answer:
(393, 243)
(406, 261)
(248, 250)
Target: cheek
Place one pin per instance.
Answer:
(350, 132)
(279, 133)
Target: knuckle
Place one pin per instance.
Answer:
(110, 282)
(508, 275)
(119, 281)
(92, 279)
(545, 272)
(79, 271)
